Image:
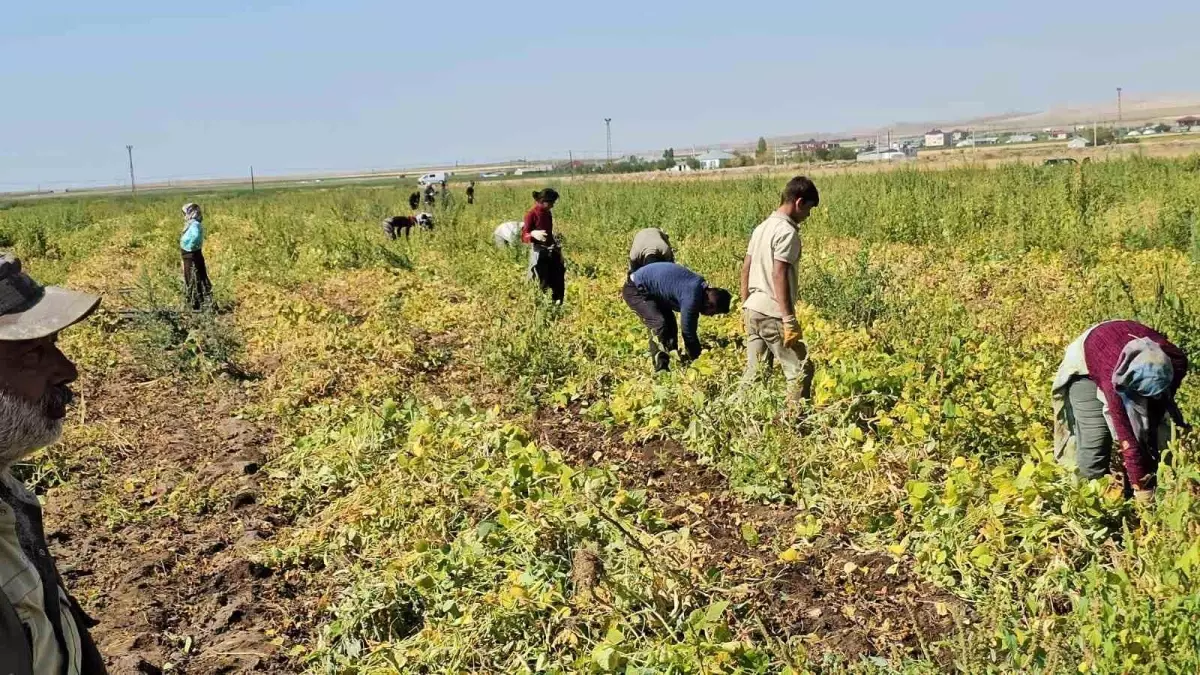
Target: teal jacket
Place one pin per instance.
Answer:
(193, 236)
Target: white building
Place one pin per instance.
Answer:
(936, 138)
(1021, 138)
(714, 159)
(1078, 143)
(981, 140)
(884, 155)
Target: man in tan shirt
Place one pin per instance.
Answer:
(769, 290)
(42, 629)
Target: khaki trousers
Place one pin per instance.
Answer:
(764, 342)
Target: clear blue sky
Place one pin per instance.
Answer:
(205, 89)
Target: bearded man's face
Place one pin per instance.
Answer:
(34, 393)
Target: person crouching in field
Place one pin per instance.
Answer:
(42, 628)
(394, 225)
(1118, 379)
(197, 287)
(507, 234)
(414, 201)
(769, 290)
(545, 255)
(650, 245)
(656, 291)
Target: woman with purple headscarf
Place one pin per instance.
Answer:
(1118, 380)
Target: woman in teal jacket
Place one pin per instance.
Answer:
(191, 242)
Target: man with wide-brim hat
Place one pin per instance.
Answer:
(43, 631)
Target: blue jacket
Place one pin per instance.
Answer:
(679, 288)
(193, 236)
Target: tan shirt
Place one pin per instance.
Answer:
(776, 238)
(22, 585)
(650, 241)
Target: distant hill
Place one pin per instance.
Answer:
(1134, 110)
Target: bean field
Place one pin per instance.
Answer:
(398, 456)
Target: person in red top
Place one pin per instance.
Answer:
(1119, 379)
(545, 255)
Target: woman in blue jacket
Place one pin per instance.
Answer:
(195, 273)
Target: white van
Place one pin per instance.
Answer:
(433, 178)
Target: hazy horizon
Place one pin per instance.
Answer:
(294, 87)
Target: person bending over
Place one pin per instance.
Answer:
(658, 290)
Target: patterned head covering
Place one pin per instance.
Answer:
(1144, 369)
(191, 211)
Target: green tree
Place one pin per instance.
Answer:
(760, 151)
(668, 159)
(844, 153)
(1104, 135)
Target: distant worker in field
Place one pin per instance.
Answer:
(650, 245)
(471, 192)
(1118, 379)
(656, 291)
(545, 255)
(197, 287)
(769, 290)
(507, 234)
(392, 227)
(414, 200)
(430, 196)
(445, 194)
(42, 628)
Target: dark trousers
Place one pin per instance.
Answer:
(551, 271)
(195, 279)
(642, 261)
(659, 318)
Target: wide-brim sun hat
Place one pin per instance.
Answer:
(29, 311)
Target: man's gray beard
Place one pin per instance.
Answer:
(24, 427)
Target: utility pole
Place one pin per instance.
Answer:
(608, 137)
(132, 186)
(252, 178)
(571, 161)
(1120, 117)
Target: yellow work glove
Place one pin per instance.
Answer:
(1143, 497)
(791, 333)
